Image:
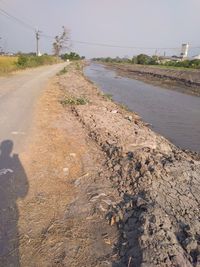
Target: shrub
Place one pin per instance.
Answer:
(194, 64)
(74, 101)
(143, 59)
(25, 61)
(22, 61)
(63, 71)
(108, 96)
(71, 56)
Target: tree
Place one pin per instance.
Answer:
(154, 60)
(143, 59)
(71, 56)
(62, 42)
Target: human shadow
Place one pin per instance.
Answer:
(13, 185)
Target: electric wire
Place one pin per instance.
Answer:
(6, 14)
(31, 27)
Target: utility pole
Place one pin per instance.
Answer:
(1, 50)
(37, 35)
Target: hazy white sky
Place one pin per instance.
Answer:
(135, 23)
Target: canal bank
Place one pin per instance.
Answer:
(178, 79)
(154, 204)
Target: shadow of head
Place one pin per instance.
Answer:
(13, 177)
(6, 147)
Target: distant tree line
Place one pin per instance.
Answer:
(144, 59)
(140, 59)
(71, 56)
(193, 64)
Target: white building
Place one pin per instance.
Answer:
(184, 50)
(196, 57)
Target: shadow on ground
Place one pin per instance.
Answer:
(13, 185)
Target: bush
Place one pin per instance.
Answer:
(62, 72)
(22, 61)
(143, 59)
(71, 56)
(108, 96)
(194, 64)
(74, 101)
(25, 61)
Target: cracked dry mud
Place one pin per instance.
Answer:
(113, 192)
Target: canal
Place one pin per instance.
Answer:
(172, 114)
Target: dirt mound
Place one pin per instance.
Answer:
(158, 184)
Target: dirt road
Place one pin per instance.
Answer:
(18, 94)
(50, 192)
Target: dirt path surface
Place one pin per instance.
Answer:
(99, 188)
(185, 81)
(62, 222)
(18, 94)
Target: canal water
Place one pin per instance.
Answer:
(172, 114)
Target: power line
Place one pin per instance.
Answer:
(47, 36)
(30, 27)
(132, 47)
(120, 46)
(110, 45)
(6, 14)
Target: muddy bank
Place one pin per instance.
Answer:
(156, 203)
(186, 81)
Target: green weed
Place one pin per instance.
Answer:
(74, 101)
(63, 71)
(108, 96)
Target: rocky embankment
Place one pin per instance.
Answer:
(187, 81)
(156, 184)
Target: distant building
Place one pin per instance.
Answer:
(184, 50)
(163, 60)
(196, 57)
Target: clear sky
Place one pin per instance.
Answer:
(133, 23)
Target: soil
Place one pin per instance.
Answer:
(104, 189)
(185, 81)
(62, 218)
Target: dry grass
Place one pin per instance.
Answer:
(7, 64)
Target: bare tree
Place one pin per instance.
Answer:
(62, 42)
